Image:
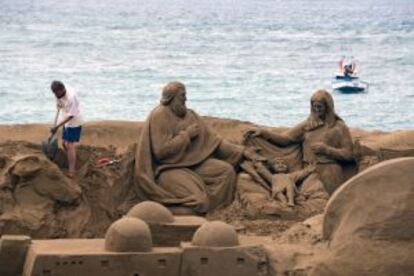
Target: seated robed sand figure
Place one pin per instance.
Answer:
(322, 141)
(324, 138)
(181, 162)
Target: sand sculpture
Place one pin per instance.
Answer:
(128, 235)
(215, 233)
(127, 250)
(324, 137)
(323, 140)
(166, 229)
(367, 224)
(366, 228)
(34, 193)
(151, 212)
(180, 161)
(356, 238)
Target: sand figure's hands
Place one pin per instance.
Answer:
(197, 202)
(319, 148)
(193, 131)
(260, 167)
(251, 154)
(311, 168)
(254, 132)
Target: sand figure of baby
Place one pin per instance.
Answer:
(285, 185)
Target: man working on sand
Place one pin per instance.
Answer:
(70, 119)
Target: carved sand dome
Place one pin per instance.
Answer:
(151, 212)
(377, 203)
(128, 234)
(216, 233)
(369, 224)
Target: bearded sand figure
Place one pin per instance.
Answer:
(180, 161)
(324, 138)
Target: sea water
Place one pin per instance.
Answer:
(255, 60)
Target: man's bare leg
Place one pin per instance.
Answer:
(71, 153)
(65, 147)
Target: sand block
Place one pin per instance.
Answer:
(13, 249)
(244, 260)
(377, 204)
(180, 230)
(89, 258)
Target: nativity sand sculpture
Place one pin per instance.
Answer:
(322, 141)
(180, 162)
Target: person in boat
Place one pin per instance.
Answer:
(347, 69)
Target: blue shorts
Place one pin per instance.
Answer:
(72, 134)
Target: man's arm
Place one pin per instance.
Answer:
(54, 129)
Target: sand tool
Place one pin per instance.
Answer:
(106, 161)
(50, 146)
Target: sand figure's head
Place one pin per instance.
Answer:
(322, 110)
(279, 165)
(44, 179)
(58, 88)
(174, 96)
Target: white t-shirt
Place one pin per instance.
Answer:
(70, 107)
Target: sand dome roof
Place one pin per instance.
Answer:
(151, 212)
(378, 203)
(216, 233)
(128, 234)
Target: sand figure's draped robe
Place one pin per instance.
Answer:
(170, 167)
(332, 131)
(313, 191)
(310, 198)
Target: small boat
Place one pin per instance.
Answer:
(349, 84)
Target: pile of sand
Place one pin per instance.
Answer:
(38, 199)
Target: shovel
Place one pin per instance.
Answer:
(50, 146)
